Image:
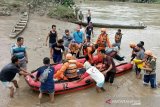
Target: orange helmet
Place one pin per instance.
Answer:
(148, 52)
(103, 29)
(69, 56)
(132, 45)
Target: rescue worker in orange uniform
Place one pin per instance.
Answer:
(103, 40)
(69, 69)
(89, 50)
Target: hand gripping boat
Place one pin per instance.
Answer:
(63, 87)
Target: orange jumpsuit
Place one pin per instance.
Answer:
(70, 69)
(103, 41)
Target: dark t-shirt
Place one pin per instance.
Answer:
(109, 60)
(57, 49)
(120, 36)
(89, 30)
(49, 83)
(8, 72)
(52, 37)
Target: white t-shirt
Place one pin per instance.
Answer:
(96, 74)
(87, 65)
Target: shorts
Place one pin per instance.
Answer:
(88, 36)
(17, 77)
(100, 85)
(46, 91)
(57, 58)
(8, 84)
(138, 70)
(23, 64)
(116, 44)
(50, 45)
(150, 78)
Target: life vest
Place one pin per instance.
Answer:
(117, 39)
(139, 63)
(103, 40)
(74, 48)
(71, 71)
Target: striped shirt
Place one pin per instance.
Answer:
(18, 51)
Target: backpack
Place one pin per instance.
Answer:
(44, 75)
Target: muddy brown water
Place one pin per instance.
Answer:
(126, 90)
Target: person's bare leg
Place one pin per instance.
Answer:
(11, 92)
(103, 89)
(15, 83)
(40, 97)
(98, 89)
(51, 97)
(110, 84)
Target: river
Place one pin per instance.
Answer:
(127, 91)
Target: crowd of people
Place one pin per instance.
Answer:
(77, 45)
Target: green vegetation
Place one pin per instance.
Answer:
(62, 12)
(60, 9)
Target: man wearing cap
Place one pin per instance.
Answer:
(103, 40)
(134, 50)
(149, 69)
(68, 70)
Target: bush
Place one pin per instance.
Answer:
(67, 3)
(62, 12)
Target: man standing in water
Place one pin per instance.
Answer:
(76, 11)
(45, 75)
(19, 50)
(139, 56)
(52, 35)
(8, 73)
(150, 68)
